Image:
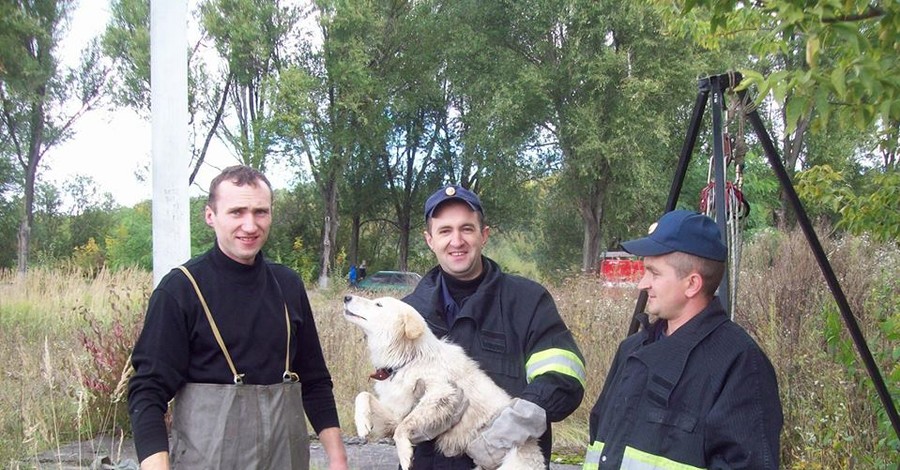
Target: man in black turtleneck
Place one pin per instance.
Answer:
(231, 336)
(508, 324)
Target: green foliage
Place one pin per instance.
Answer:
(40, 99)
(514, 252)
(202, 236)
(850, 66)
(108, 340)
(558, 240)
(89, 257)
(833, 418)
(129, 243)
(882, 308)
(127, 41)
(251, 37)
(9, 216)
(870, 209)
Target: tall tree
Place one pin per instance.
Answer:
(416, 106)
(322, 102)
(41, 100)
(588, 84)
(230, 101)
(251, 37)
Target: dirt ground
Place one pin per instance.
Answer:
(107, 453)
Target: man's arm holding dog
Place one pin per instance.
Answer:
(554, 365)
(555, 374)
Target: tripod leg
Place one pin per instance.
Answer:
(720, 205)
(830, 278)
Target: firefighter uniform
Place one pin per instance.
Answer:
(704, 397)
(511, 327)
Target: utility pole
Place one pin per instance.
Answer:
(169, 145)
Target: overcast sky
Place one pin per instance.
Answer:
(112, 146)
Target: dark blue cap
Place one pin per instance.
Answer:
(685, 231)
(452, 192)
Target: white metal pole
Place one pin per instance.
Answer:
(171, 156)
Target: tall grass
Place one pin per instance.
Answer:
(57, 329)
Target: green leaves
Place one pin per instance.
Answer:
(873, 209)
(849, 46)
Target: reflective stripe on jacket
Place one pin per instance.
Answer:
(633, 459)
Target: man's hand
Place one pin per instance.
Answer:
(515, 424)
(334, 448)
(157, 461)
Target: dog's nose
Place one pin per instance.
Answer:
(348, 298)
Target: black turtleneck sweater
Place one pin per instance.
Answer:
(177, 346)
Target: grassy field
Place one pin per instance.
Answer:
(65, 337)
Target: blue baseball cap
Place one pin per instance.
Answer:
(452, 192)
(685, 231)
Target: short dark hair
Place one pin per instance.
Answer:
(710, 271)
(240, 175)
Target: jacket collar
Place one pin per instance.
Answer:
(669, 356)
(428, 294)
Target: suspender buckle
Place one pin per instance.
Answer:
(290, 377)
(239, 379)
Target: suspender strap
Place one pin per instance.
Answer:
(288, 376)
(238, 378)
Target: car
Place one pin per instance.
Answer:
(390, 281)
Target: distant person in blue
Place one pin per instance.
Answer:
(691, 390)
(361, 271)
(352, 275)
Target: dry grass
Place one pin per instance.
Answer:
(44, 401)
(831, 414)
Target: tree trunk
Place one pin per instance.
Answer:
(591, 210)
(24, 237)
(31, 165)
(329, 230)
(791, 150)
(353, 255)
(403, 255)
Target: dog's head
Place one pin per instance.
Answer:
(392, 327)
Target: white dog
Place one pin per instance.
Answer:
(425, 386)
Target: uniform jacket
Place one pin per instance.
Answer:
(704, 397)
(512, 328)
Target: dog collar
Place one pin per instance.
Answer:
(382, 373)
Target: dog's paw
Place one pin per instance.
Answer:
(362, 415)
(404, 450)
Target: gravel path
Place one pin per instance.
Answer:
(106, 453)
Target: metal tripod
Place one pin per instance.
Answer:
(716, 86)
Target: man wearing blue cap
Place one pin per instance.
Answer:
(508, 324)
(692, 389)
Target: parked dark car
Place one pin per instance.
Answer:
(398, 281)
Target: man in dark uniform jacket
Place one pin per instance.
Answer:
(693, 389)
(508, 324)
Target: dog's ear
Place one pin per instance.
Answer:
(413, 324)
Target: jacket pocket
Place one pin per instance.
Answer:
(670, 418)
(495, 356)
